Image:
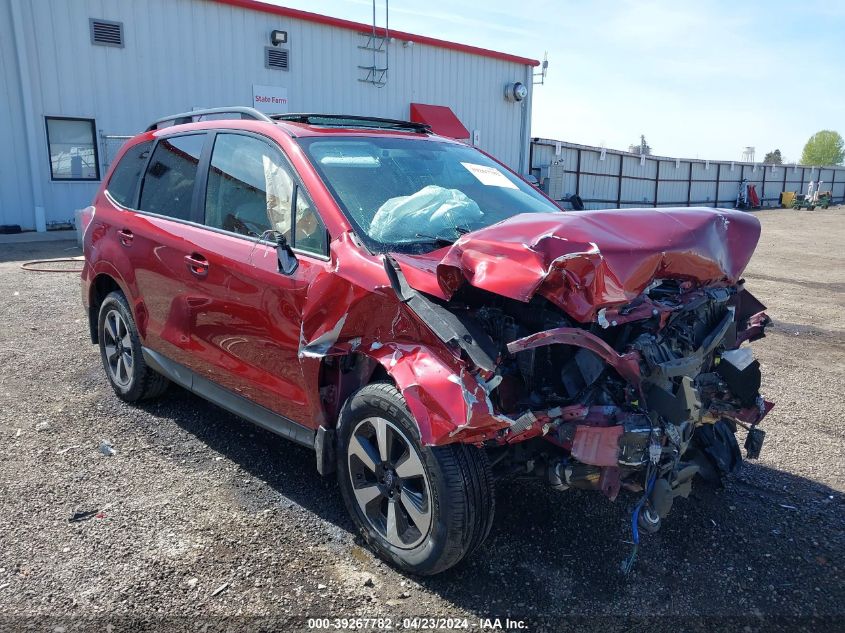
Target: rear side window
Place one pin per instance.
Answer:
(123, 184)
(168, 187)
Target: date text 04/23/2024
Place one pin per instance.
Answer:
(417, 624)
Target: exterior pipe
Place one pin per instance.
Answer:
(29, 118)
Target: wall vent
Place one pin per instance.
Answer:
(276, 58)
(106, 33)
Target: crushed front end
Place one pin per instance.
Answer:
(602, 350)
(646, 397)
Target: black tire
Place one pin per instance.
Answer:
(459, 482)
(141, 382)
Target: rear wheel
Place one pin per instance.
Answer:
(423, 508)
(120, 351)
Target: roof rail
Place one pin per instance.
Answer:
(188, 117)
(351, 120)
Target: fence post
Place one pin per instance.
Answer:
(578, 173)
(763, 188)
(783, 186)
(689, 185)
(718, 178)
(656, 183)
(619, 182)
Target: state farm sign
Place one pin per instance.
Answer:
(270, 99)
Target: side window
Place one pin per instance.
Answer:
(123, 183)
(249, 189)
(168, 186)
(310, 230)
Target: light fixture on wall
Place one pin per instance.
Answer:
(516, 91)
(278, 37)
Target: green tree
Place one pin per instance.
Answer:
(773, 158)
(824, 148)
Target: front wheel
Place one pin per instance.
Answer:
(423, 508)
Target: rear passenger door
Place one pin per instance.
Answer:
(246, 337)
(158, 239)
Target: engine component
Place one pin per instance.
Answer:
(564, 474)
(754, 443)
(635, 441)
(718, 443)
(743, 381)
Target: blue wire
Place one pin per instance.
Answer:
(636, 513)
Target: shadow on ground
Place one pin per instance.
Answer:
(770, 543)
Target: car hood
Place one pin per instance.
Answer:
(588, 260)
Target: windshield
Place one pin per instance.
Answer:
(413, 195)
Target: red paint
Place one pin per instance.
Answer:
(441, 119)
(628, 365)
(360, 27)
(597, 445)
(276, 339)
(586, 261)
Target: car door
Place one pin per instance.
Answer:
(246, 337)
(157, 238)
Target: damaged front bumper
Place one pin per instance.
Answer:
(680, 412)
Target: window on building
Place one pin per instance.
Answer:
(123, 184)
(249, 189)
(72, 144)
(168, 186)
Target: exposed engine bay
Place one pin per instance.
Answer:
(645, 398)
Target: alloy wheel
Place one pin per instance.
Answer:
(389, 482)
(117, 345)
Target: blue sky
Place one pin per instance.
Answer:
(699, 79)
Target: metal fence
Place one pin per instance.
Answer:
(110, 145)
(605, 178)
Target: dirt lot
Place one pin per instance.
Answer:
(201, 515)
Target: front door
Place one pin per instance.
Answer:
(246, 335)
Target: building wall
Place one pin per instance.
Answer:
(567, 169)
(181, 54)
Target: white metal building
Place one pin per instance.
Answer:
(73, 72)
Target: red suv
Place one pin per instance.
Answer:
(423, 318)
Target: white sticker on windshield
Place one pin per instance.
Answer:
(489, 176)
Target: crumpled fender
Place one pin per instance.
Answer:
(343, 315)
(438, 393)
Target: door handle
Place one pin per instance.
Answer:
(125, 236)
(197, 264)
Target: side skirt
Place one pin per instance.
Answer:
(232, 402)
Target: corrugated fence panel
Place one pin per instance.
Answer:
(672, 192)
(676, 182)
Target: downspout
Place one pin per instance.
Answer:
(28, 117)
(525, 122)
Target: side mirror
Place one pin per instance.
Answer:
(288, 263)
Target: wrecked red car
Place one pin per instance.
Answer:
(424, 319)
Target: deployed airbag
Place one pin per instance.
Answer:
(432, 211)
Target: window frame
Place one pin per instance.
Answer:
(202, 165)
(93, 123)
(202, 186)
(136, 194)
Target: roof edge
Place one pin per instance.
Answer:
(349, 25)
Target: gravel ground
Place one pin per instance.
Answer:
(201, 516)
